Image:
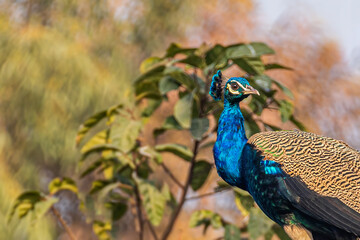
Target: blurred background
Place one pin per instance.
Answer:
(63, 60)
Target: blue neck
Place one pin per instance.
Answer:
(229, 145)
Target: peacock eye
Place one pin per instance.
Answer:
(234, 86)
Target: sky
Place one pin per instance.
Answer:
(339, 19)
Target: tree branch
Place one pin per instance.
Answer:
(122, 185)
(152, 230)
(63, 223)
(207, 194)
(182, 199)
(139, 213)
(172, 176)
(203, 102)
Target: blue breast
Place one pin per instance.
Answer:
(229, 144)
(240, 165)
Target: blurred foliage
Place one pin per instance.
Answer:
(54, 71)
(122, 165)
(42, 77)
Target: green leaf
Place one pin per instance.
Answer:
(152, 105)
(170, 123)
(124, 133)
(239, 51)
(221, 186)
(194, 61)
(251, 65)
(98, 139)
(118, 209)
(284, 89)
(177, 149)
(169, 197)
(251, 126)
(175, 49)
(99, 149)
(102, 229)
(255, 49)
(88, 124)
(243, 201)
(99, 185)
(286, 110)
(264, 82)
(25, 203)
(112, 111)
(183, 110)
(58, 184)
(42, 207)
(149, 63)
(153, 201)
(91, 168)
(112, 189)
(200, 84)
(261, 48)
(232, 232)
(168, 84)
(206, 218)
(124, 174)
(215, 55)
(180, 76)
(271, 66)
(165, 191)
(94, 120)
(297, 123)
(258, 103)
(144, 170)
(154, 72)
(148, 89)
(200, 173)
(198, 127)
(149, 152)
(259, 223)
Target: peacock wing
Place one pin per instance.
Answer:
(319, 207)
(323, 174)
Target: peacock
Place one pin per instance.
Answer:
(307, 183)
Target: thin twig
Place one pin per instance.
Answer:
(139, 213)
(207, 194)
(63, 223)
(122, 185)
(182, 199)
(206, 136)
(167, 170)
(152, 230)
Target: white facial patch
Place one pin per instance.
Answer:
(232, 91)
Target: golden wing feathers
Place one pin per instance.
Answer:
(327, 166)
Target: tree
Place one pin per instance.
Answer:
(122, 164)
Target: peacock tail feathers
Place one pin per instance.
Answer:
(326, 166)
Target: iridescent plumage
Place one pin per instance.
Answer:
(307, 183)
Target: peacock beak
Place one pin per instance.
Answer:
(251, 90)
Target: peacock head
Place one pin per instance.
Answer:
(235, 89)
